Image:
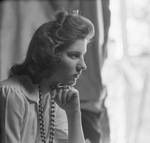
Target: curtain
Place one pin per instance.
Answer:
(19, 20)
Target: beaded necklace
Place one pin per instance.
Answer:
(41, 119)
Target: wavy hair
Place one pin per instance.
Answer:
(49, 41)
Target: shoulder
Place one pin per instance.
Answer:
(21, 86)
(10, 89)
(12, 83)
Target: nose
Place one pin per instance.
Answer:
(81, 65)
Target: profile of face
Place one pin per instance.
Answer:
(72, 64)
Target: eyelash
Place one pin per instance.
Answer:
(74, 56)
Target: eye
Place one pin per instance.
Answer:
(74, 55)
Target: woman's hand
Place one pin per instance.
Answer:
(67, 98)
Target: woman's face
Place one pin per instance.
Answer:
(69, 70)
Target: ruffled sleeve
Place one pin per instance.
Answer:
(12, 114)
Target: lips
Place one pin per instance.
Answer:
(76, 75)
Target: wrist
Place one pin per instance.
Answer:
(74, 112)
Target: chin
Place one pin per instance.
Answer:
(71, 83)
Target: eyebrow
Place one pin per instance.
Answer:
(78, 52)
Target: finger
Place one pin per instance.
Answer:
(58, 95)
(64, 95)
(72, 94)
(53, 93)
(69, 94)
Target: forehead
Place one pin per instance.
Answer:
(78, 45)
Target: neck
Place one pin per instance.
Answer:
(46, 85)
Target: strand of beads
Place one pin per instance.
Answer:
(41, 119)
(52, 115)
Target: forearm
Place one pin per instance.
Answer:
(75, 128)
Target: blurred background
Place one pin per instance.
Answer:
(126, 71)
(117, 81)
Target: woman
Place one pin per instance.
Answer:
(38, 101)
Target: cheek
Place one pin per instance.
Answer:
(68, 67)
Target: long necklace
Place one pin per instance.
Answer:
(41, 119)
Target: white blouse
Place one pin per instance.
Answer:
(19, 121)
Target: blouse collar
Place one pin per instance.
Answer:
(29, 89)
